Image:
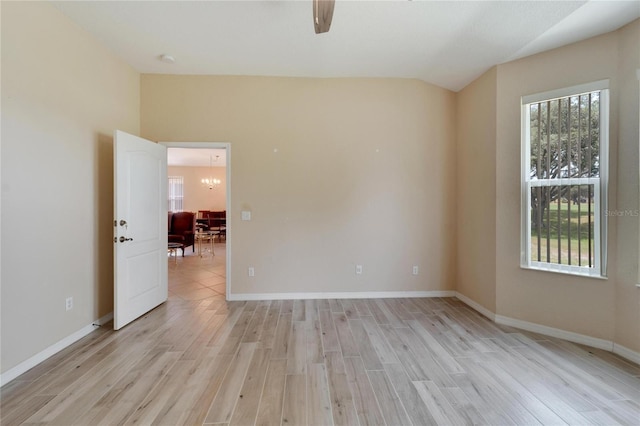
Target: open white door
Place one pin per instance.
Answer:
(140, 221)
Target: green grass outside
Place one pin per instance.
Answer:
(568, 228)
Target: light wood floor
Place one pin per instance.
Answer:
(201, 360)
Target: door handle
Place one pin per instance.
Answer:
(123, 239)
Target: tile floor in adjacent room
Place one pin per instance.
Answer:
(195, 277)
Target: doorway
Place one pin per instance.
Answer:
(206, 159)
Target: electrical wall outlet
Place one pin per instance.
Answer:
(252, 271)
(415, 270)
(358, 269)
(69, 303)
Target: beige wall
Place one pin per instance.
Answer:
(606, 309)
(200, 197)
(572, 303)
(336, 172)
(63, 94)
(627, 301)
(476, 190)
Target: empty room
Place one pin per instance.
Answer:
(320, 212)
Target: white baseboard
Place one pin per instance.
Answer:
(25, 366)
(340, 295)
(475, 305)
(556, 332)
(626, 353)
(594, 342)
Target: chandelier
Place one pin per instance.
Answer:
(211, 182)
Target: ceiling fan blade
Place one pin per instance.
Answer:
(322, 15)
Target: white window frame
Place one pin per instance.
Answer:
(600, 184)
(171, 199)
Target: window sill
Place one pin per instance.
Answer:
(559, 271)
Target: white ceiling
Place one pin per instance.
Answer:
(196, 157)
(447, 43)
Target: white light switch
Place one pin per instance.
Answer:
(246, 215)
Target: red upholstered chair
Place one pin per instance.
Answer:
(182, 229)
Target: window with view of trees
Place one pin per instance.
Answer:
(176, 193)
(564, 174)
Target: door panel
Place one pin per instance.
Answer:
(140, 197)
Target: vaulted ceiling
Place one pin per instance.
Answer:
(447, 43)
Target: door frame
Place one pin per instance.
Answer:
(227, 147)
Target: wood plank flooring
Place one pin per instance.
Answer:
(201, 360)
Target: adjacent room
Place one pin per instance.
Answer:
(336, 212)
(197, 236)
